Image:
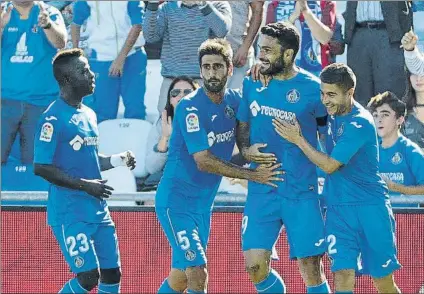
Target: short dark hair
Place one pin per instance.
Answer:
(390, 99)
(216, 47)
(339, 74)
(61, 63)
(286, 33)
(168, 107)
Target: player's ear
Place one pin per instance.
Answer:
(350, 92)
(400, 121)
(288, 56)
(230, 69)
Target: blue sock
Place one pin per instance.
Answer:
(272, 284)
(72, 286)
(109, 288)
(344, 292)
(165, 288)
(323, 288)
(189, 291)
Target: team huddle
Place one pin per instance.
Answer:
(285, 121)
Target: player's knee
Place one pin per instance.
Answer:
(89, 280)
(110, 276)
(197, 277)
(344, 280)
(177, 280)
(257, 264)
(386, 284)
(312, 271)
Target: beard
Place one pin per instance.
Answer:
(273, 68)
(215, 86)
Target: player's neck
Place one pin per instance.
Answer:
(286, 74)
(72, 99)
(215, 97)
(24, 9)
(390, 140)
(347, 108)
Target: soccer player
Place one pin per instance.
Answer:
(66, 155)
(360, 227)
(401, 160)
(292, 93)
(200, 146)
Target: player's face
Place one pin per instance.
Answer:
(271, 56)
(181, 89)
(417, 83)
(386, 121)
(214, 72)
(335, 99)
(84, 77)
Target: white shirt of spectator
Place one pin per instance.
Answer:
(369, 11)
(108, 27)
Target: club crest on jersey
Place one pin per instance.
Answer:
(229, 112)
(79, 261)
(397, 158)
(46, 132)
(190, 255)
(192, 123)
(293, 96)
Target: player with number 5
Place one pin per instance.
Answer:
(66, 154)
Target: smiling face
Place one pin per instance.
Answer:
(271, 56)
(386, 121)
(335, 99)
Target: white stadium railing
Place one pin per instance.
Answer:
(150, 196)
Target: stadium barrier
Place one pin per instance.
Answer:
(31, 261)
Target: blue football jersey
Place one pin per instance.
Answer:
(403, 163)
(198, 125)
(26, 59)
(297, 98)
(352, 140)
(67, 138)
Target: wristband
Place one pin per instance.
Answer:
(116, 160)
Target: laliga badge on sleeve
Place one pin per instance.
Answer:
(192, 123)
(46, 132)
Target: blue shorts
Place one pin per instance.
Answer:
(362, 238)
(188, 235)
(87, 246)
(265, 214)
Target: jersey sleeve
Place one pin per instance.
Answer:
(136, 12)
(417, 164)
(81, 12)
(353, 138)
(46, 139)
(243, 109)
(189, 120)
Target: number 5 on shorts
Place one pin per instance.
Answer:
(183, 240)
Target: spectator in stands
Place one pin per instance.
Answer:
(401, 161)
(30, 32)
(183, 26)
(117, 55)
(373, 31)
(246, 19)
(158, 140)
(418, 16)
(414, 59)
(316, 20)
(414, 99)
